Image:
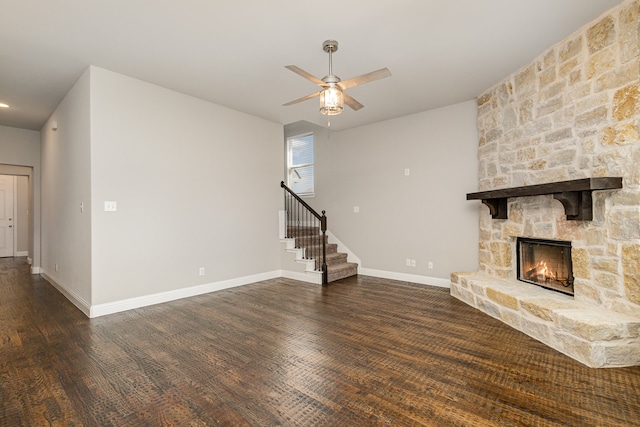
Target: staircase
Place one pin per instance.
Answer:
(306, 243)
(304, 231)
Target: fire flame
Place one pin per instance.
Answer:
(543, 270)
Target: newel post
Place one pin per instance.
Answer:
(323, 228)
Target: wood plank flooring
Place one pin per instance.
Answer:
(361, 352)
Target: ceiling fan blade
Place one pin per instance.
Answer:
(306, 75)
(351, 102)
(304, 98)
(365, 78)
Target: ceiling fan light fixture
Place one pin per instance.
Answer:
(331, 101)
(333, 96)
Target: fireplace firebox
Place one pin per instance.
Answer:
(545, 263)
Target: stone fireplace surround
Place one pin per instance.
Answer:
(573, 113)
(588, 332)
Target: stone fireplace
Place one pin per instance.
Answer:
(572, 114)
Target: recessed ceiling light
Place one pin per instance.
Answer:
(2, 105)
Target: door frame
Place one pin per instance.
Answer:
(15, 215)
(9, 229)
(28, 172)
(18, 217)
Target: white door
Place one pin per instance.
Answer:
(6, 215)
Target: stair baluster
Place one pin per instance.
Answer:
(303, 223)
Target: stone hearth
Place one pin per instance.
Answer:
(586, 332)
(573, 113)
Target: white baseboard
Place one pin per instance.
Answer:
(147, 300)
(22, 253)
(413, 278)
(309, 277)
(75, 299)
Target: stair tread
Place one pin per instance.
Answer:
(335, 258)
(335, 255)
(343, 266)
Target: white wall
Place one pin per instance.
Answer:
(424, 216)
(196, 185)
(20, 155)
(66, 183)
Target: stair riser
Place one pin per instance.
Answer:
(342, 273)
(310, 241)
(341, 259)
(302, 231)
(331, 248)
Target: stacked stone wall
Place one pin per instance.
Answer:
(574, 112)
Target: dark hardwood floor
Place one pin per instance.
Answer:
(362, 351)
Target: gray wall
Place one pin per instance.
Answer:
(196, 185)
(423, 216)
(66, 183)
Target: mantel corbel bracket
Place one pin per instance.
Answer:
(575, 196)
(497, 207)
(578, 205)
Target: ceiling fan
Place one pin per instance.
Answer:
(333, 96)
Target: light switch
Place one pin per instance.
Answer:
(110, 206)
(407, 172)
(356, 209)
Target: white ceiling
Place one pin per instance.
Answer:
(233, 53)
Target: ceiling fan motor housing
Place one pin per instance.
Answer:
(330, 46)
(331, 79)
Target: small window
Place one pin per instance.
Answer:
(300, 164)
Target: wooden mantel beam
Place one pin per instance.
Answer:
(575, 196)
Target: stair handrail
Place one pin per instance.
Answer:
(323, 227)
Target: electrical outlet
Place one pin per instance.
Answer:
(56, 267)
(110, 206)
(356, 209)
(413, 263)
(407, 172)
(201, 271)
(430, 265)
(408, 262)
